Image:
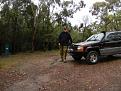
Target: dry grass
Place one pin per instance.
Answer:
(15, 60)
(7, 62)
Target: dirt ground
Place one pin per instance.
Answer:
(45, 72)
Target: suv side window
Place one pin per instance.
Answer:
(111, 37)
(114, 37)
(118, 36)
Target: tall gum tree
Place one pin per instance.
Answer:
(106, 12)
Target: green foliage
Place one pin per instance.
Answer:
(109, 15)
(76, 36)
(28, 27)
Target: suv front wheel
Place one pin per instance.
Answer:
(92, 57)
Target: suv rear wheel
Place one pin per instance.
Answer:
(92, 57)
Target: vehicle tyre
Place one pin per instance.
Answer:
(92, 57)
(77, 57)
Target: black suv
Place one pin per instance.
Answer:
(104, 43)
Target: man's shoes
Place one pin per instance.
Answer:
(64, 61)
(61, 60)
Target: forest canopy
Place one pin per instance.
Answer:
(25, 26)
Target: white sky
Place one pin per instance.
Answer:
(79, 16)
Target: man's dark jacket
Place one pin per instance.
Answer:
(65, 39)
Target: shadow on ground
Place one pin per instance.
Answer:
(103, 59)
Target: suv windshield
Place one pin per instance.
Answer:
(96, 37)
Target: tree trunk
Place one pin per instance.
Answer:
(34, 34)
(33, 39)
(33, 29)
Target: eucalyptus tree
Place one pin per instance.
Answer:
(44, 23)
(31, 18)
(12, 19)
(5, 27)
(104, 11)
(68, 8)
(18, 23)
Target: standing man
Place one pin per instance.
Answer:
(64, 41)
